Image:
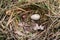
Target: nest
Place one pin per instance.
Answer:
(16, 27)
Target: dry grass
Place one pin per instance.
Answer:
(14, 27)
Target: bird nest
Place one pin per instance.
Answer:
(16, 23)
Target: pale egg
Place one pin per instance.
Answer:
(35, 17)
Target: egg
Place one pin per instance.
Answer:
(35, 17)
